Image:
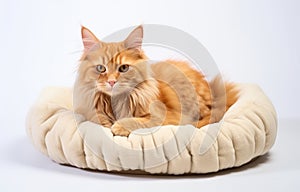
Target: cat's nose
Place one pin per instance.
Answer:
(111, 82)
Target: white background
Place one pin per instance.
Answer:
(251, 41)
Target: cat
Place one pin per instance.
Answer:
(117, 87)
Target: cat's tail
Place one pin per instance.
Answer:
(224, 95)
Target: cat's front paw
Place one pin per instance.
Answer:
(118, 130)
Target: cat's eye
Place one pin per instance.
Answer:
(123, 68)
(100, 68)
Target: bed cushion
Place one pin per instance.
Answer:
(247, 130)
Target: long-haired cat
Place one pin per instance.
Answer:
(118, 88)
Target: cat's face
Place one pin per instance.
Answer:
(113, 68)
(122, 73)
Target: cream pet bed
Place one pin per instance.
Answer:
(247, 130)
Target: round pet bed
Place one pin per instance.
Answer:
(247, 130)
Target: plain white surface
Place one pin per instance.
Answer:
(251, 41)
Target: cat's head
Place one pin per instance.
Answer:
(113, 67)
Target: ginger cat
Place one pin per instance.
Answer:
(118, 88)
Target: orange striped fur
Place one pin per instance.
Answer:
(118, 88)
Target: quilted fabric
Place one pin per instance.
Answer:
(247, 130)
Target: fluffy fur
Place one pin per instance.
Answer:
(118, 88)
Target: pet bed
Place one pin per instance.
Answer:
(247, 130)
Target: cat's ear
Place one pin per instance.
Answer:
(135, 39)
(89, 40)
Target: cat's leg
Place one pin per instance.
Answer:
(104, 121)
(156, 117)
(125, 126)
(213, 117)
(204, 121)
